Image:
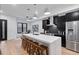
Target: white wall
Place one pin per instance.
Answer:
(11, 26)
(39, 22)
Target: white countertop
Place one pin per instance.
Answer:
(43, 38)
(52, 42)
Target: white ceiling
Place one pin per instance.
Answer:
(20, 10)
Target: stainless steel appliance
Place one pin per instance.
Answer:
(72, 35)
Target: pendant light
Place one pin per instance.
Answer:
(1, 11)
(35, 16)
(46, 11)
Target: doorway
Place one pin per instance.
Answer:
(3, 29)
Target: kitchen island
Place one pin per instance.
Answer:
(52, 42)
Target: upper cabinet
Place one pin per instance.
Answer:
(60, 20)
(72, 16)
(45, 23)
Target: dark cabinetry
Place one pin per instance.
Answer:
(60, 22)
(63, 40)
(45, 23)
(72, 16)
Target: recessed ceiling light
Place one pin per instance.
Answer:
(47, 13)
(36, 12)
(1, 11)
(28, 20)
(76, 14)
(34, 17)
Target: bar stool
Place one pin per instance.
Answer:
(44, 50)
(31, 48)
(0, 52)
(37, 49)
(28, 46)
(34, 48)
(31, 40)
(36, 43)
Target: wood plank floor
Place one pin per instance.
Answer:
(13, 47)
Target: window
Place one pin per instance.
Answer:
(22, 27)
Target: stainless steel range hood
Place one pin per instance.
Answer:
(51, 22)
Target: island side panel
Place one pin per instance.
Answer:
(55, 47)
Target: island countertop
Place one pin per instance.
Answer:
(44, 38)
(52, 42)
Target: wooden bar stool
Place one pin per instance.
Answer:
(28, 46)
(0, 52)
(31, 48)
(44, 50)
(36, 43)
(40, 49)
(34, 48)
(37, 49)
(30, 40)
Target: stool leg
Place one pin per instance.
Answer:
(28, 48)
(47, 52)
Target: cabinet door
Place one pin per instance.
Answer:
(45, 23)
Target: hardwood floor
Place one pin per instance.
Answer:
(13, 47)
(68, 52)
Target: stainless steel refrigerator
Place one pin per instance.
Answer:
(72, 35)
